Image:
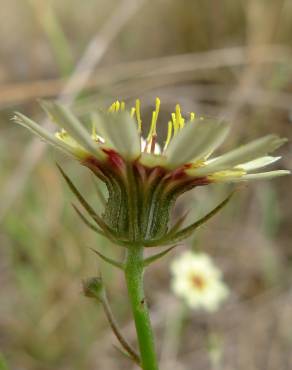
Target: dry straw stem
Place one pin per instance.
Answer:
(93, 54)
(259, 32)
(166, 68)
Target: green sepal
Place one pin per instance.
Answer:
(99, 193)
(87, 222)
(116, 208)
(155, 257)
(109, 260)
(181, 235)
(109, 233)
(178, 224)
(97, 230)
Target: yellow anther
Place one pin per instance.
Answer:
(112, 107)
(133, 110)
(179, 119)
(192, 116)
(169, 134)
(123, 106)
(152, 131)
(138, 115)
(175, 124)
(117, 106)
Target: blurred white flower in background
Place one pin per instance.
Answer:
(198, 281)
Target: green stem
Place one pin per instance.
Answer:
(134, 277)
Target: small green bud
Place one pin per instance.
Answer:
(93, 288)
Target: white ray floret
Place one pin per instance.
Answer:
(119, 130)
(258, 163)
(195, 141)
(261, 175)
(47, 136)
(198, 281)
(66, 120)
(247, 152)
(188, 146)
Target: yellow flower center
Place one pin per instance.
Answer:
(198, 282)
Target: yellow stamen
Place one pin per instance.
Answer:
(133, 110)
(123, 106)
(138, 115)
(169, 133)
(152, 131)
(175, 124)
(192, 116)
(179, 119)
(112, 108)
(117, 106)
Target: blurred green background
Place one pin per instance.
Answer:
(228, 58)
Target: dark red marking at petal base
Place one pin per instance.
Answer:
(91, 161)
(114, 159)
(178, 174)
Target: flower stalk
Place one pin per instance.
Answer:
(134, 271)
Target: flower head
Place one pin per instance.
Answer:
(144, 179)
(198, 281)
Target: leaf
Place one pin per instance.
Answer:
(109, 260)
(157, 256)
(128, 355)
(88, 223)
(178, 224)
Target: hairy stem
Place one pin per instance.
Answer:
(134, 277)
